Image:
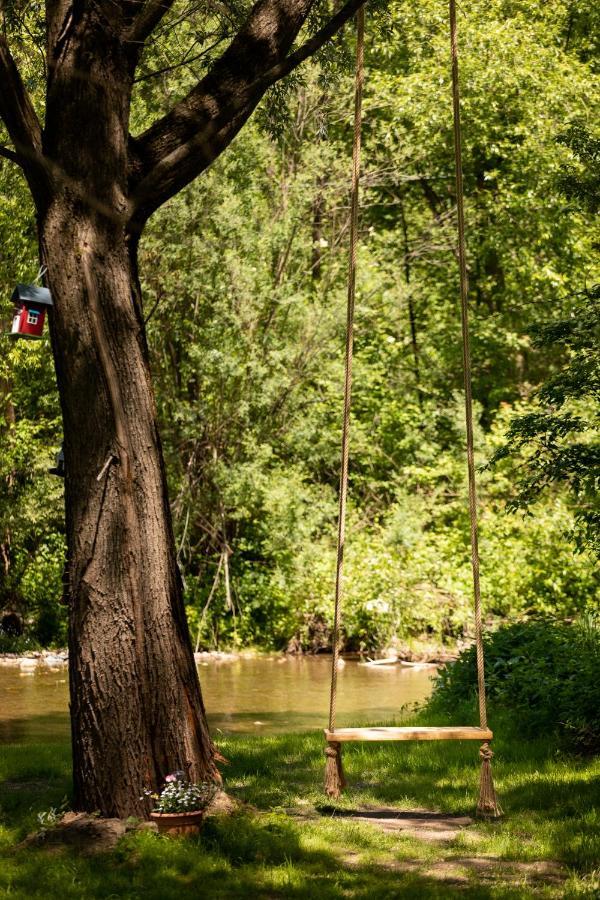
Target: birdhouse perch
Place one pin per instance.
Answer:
(31, 304)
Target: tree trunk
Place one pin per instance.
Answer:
(411, 307)
(5, 540)
(136, 706)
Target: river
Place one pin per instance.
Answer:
(252, 695)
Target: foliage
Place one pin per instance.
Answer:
(249, 347)
(11, 643)
(244, 291)
(580, 178)
(48, 818)
(545, 673)
(559, 440)
(31, 515)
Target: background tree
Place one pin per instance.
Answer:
(275, 412)
(558, 442)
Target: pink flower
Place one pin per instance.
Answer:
(171, 778)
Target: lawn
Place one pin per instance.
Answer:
(287, 841)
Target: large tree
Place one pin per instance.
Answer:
(136, 705)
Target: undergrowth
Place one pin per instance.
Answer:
(544, 672)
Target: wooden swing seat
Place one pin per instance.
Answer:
(428, 733)
(488, 805)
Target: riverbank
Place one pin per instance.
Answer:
(289, 841)
(417, 652)
(34, 658)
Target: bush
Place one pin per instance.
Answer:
(544, 672)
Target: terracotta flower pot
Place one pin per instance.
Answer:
(178, 823)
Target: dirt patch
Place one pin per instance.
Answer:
(31, 784)
(493, 869)
(89, 834)
(432, 827)
(420, 823)
(463, 871)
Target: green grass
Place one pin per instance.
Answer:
(285, 842)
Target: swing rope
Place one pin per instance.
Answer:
(488, 804)
(334, 776)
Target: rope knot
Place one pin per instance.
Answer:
(486, 752)
(332, 750)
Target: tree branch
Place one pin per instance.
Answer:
(152, 12)
(178, 147)
(186, 61)
(22, 124)
(310, 47)
(10, 154)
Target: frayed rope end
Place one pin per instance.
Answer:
(488, 806)
(334, 772)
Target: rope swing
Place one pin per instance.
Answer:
(334, 776)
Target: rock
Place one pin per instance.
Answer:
(147, 826)
(222, 805)
(53, 661)
(90, 834)
(26, 663)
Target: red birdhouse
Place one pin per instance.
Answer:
(31, 304)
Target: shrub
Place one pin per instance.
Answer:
(545, 672)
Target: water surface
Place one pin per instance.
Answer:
(259, 695)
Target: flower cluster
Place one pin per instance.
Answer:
(180, 795)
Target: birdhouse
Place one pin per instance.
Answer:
(59, 467)
(31, 303)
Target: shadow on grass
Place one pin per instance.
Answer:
(241, 857)
(34, 777)
(31, 730)
(385, 813)
(279, 771)
(551, 802)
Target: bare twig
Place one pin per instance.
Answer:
(110, 458)
(186, 61)
(208, 602)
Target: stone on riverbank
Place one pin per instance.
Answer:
(30, 661)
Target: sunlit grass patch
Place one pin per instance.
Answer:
(287, 841)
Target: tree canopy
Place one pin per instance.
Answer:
(243, 276)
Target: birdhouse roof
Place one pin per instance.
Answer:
(31, 293)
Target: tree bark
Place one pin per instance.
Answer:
(136, 706)
(411, 307)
